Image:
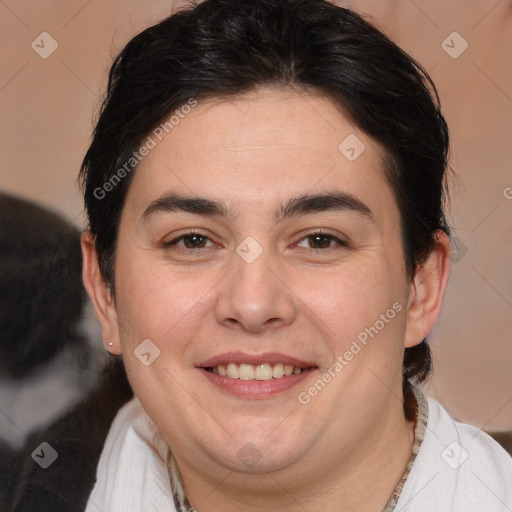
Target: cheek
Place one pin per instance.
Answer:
(159, 304)
(348, 299)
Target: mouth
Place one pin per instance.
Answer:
(262, 371)
(259, 376)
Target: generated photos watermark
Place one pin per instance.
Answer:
(356, 346)
(151, 141)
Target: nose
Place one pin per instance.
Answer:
(255, 296)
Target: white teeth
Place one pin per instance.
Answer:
(246, 372)
(278, 370)
(232, 370)
(263, 371)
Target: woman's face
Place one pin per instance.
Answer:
(269, 280)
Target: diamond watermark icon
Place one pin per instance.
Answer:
(454, 455)
(45, 455)
(146, 352)
(351, 147)
(249, 250)
(454, 45)
(44, 45)
(249, 454)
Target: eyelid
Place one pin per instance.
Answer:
(189, 232)
(342, 241)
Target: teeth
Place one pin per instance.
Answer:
(233, 371)
(263, 371)
(278, 370)
(246, 372)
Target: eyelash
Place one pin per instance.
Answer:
(175, 241)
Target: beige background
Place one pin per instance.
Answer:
(48, 107)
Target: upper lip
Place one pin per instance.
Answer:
(254, 359)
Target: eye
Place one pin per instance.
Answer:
(321, 241)
(189, 241)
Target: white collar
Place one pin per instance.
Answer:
(133, 474)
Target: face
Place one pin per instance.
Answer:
(252, 244)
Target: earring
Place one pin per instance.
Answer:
(110, 343)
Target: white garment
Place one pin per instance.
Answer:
(458, 468)
(132, 474)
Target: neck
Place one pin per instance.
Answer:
(376, 463)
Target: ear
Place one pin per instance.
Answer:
(427, 291)
(100, 294)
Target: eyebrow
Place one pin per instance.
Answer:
(301, 205)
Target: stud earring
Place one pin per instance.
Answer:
(110, 343)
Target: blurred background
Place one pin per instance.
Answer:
(55, 58)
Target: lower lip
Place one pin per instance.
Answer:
(256, 388)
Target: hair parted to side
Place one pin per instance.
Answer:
(223, 47)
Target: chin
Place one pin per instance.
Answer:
(258, 460)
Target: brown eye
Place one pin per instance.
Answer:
(194, 241)
(320, 241)
(190, 241)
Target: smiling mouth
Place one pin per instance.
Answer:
(263, 371)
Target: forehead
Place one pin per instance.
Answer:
(259, 149)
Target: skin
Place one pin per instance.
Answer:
(351, 443)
